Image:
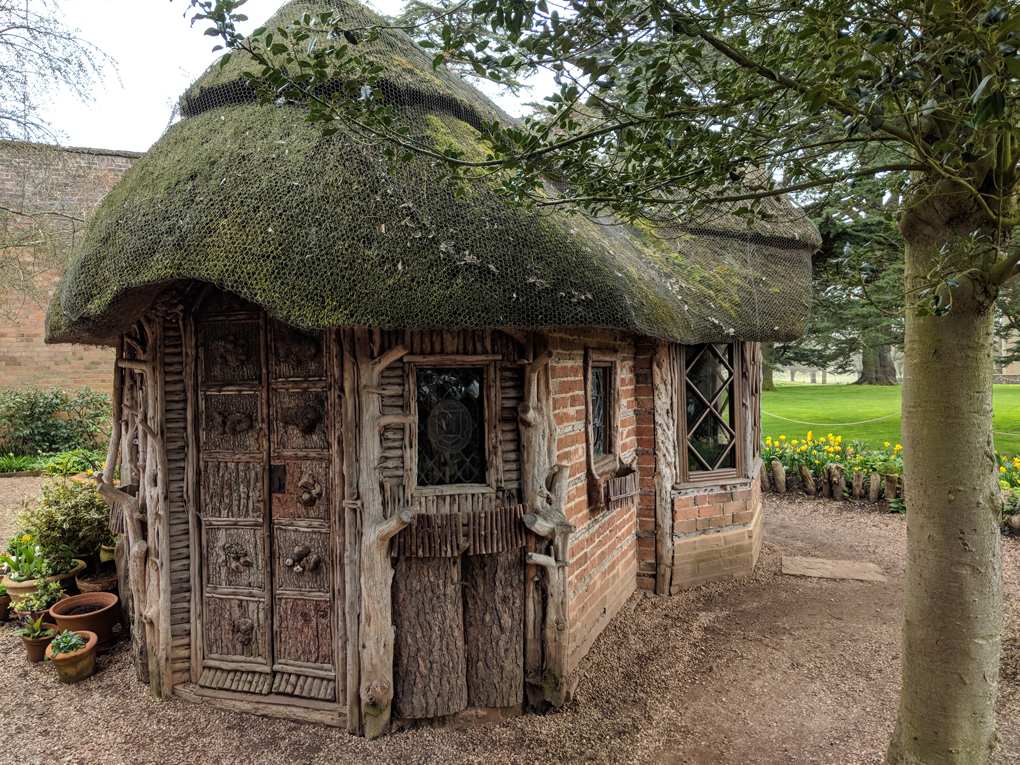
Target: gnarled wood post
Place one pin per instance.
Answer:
(664, 399)
(807, 481)
(779, 476)
(376, 633)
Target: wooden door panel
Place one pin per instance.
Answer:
(299, 420)
(231, 352)
(306, 491)
(236, 628)
(235, 557)
(298, 353)
(232, 490)
(231, 422)
(304, 631)
(308, 553)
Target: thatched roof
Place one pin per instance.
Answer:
(320, 233)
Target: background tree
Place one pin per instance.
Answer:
(724, 104)
(41, 59)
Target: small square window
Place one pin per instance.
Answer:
(451, 426)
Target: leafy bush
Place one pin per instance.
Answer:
(33, 420)
(16, 463)
(27, 560)
(72, 463)
(45, 595)
(68, 514)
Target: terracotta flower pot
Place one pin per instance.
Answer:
(105, 581)
(5, 608)
(75, 666)
(106, 553)
(100, 622)
(36, 647)
(19, 590)
(47, 618)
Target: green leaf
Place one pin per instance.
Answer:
(981, 88)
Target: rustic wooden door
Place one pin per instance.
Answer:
(269, 552)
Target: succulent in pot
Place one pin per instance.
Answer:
(36, 634)
(73, 654)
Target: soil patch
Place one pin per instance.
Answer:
(82, 610)
(770, 669)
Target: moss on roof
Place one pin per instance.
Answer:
(322, 232)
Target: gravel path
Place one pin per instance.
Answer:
(771, 669)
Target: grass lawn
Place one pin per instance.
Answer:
(853, 403)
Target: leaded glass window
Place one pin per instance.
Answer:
(711, 407)
(451, 426)
(600, 409)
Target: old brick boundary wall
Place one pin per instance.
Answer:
(69, 181)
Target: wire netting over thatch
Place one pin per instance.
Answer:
(321, 233)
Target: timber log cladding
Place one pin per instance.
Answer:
(474, 532)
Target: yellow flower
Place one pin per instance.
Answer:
(897, 448)
(794, 442)
(88, 472)
(1002, 469)
(839, 439)
(26, 538)
(886, 444)
(782, 438)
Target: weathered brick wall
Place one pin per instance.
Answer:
(603, 548)
(717, 534)
(72, 182)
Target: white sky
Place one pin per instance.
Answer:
(158, 55)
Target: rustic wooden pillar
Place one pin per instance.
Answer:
(376, 625)
(825, 484)
(807, 481)
(545, 485)
(875, 484)
(779, 476)
(857, 487)
(838, 479)
(664, 398)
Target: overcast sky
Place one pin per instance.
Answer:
(158, 55)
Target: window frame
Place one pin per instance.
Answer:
(490, 410)
(602, 465)
(687, 477)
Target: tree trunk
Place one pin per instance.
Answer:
(814, 377)
(952, 597)
(768, 356)
(877, 367)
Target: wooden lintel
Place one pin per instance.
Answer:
(137, 366)
(452, 358)
(383, 390)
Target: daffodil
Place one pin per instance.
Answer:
(1002, 469)
(897, 448)
(782, 438)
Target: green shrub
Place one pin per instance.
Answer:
(67, 514)
(72, 463)
(33, 420)
(16, 463)
(45, 595)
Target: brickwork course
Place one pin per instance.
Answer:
(55, 189)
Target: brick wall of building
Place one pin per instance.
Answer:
(603, 547)
(72, 182)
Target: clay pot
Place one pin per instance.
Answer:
(19, 590)
(75, 666)
(106, 553)
(48, 617)
(5, 608)
(106, 582)
(99, 622)
(36, 647)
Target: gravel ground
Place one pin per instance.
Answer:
(771, 669)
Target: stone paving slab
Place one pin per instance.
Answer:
(833, 569)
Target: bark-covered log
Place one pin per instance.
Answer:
(891, 483)
(857, 487)
(838, 480)
(779, 476)
(494, 628)
(825, 483)
(807, 481)
(875, 483)
(429, 672)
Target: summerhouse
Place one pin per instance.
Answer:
(390, 454)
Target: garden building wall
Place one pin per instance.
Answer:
(71, 181)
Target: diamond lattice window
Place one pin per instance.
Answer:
(451, 426)
(711, 404)
(600, 409)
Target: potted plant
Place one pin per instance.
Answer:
(40, 601)
(108, 549)
(94, 612)
(5, 604)
(68, 514)
(30, 565)
(73, 654)
(36, 635)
